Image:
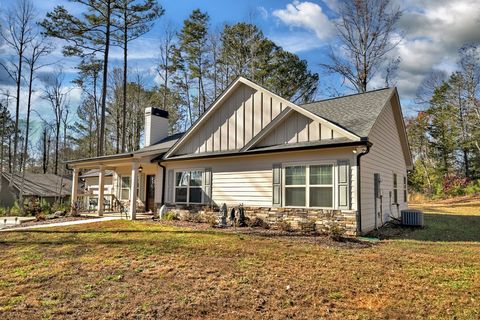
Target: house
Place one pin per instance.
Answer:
(90, 181)
(337, 162)
(48, 187)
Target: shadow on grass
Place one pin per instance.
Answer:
(444, 227)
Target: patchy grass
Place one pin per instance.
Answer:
(122, 269)
(466, 205)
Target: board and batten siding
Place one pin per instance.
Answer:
(248, 180)
(298, 128)
(240, 117)
(386, 158)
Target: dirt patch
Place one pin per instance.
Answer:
(49, 221)
(299, 236)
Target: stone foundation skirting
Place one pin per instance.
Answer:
(320, 220)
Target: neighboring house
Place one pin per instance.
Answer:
(337, 162)
(90, 181)
(48, 187)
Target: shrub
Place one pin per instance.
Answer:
(308, 226)
(210, 218)
(45, 207)
(473, 188)
(41, 216)
(3, 212)
(257, 223)
(15, 209)
(284, 225)
(59, 206)
(169, 216)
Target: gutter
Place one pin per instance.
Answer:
(359, 198)
(264, 151)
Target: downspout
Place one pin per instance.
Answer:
(359, 198)
(164, 170)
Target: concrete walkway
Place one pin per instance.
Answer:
(62, 224)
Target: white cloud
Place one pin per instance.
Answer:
(434, 31)
(297, 41)
(263, 12)
(307, 15)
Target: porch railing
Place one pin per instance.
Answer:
(89, 203)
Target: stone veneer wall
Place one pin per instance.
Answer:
(321, 220)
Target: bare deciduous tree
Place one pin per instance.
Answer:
(57, 95)
(367, 33)
(17, 35)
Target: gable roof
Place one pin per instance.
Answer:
(225, 94)
(41, 185)
(356, 113)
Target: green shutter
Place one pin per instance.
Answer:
(277, 185)
(170, 187)
(343, 168)
(207, 186)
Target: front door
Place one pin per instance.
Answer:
(150, 193)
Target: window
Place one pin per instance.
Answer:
(188, 186)
(309, 186)
(404, 189)
(125, 187)
(395, 189)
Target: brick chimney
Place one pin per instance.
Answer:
(156, 125)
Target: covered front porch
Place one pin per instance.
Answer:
(133, 191)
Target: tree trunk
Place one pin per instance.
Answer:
(25, 144)
(17, 112)
(105, 84)
(57, 146)
(125, 62)
(44, 158)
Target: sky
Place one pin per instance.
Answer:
(432, 33)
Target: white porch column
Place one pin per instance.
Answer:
(133, 190)
(101, 190)
(73, 198)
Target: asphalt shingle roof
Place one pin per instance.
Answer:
(41, 185)
(356, 113)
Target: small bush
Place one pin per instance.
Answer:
(473, 188)
(257, 223)
(41, 216)
(308, 226)
(169, 216)
(284, 225)
(210, 218)
(3, 212)
(15, 209)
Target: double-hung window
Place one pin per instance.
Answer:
(125, 187)
(188, 186)
(309, 185)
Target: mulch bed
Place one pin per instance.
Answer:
(305, 237)
(49, 221)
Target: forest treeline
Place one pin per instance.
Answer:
(444, 136)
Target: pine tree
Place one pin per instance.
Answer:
(86, 36)
(193, 45)
(133, 19)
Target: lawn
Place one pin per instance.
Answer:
(145, 270)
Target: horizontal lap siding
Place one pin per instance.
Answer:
(248, 180)
(386, 158)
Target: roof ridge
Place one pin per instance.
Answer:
(346, 96)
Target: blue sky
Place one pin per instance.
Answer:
(433, 31)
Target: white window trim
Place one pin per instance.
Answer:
(188, 187)
(334, 184)
(395, 188)
(122, 188)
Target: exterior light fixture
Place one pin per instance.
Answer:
(140, 169)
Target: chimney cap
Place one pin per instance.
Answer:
(157, 112)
